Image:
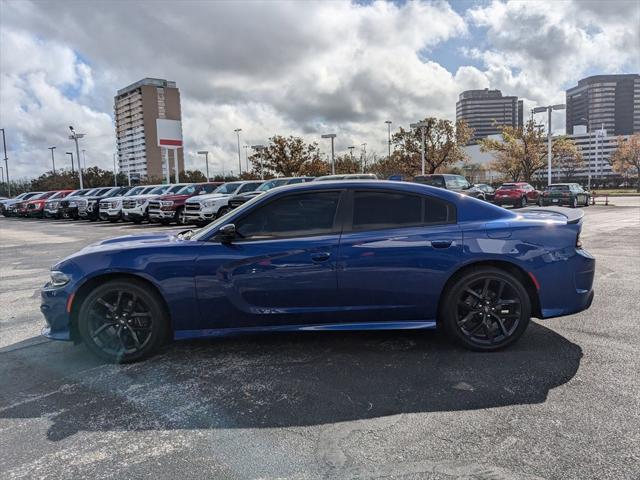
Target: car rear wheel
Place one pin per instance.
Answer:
(586, 200)
(122, 321)
(486, 310)
(180, 217)
(523, 202)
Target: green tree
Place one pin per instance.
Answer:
(522, 151)
(625, 159)
(567, 158)
(345, 164)
(192, 176)
(284, 156)
(316, 167)
(443, 145)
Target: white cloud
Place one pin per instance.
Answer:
(287, 67)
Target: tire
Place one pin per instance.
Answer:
(120, 332)
(540, 202)
(222, 211)
(523, 202)
(469, 321)
(586, 201)
(574, 202)
(137, 221)
(179, 218)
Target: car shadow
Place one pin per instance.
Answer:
(276, 380)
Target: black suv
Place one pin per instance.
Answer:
(88, 205)
(448, 181)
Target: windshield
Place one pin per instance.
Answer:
(175, 189)
(159, 190)
(58, 195)
(227, 188)
(272, 184)
(134, 191)
(187, 190)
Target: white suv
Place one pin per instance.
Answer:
(134, 209)
(203, 209)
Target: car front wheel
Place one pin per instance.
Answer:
(486, 310)
(122, 321)
(523, 202)
(574, 202)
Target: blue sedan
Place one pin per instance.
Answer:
(343, 255)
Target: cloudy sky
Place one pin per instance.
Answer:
(277, 67)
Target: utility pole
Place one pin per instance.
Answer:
(6, 163)
(332, 136)
(75, 137)
(238, 130)
(53, 160)
(388, 122)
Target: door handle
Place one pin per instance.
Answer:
(441, 243)
(320, 256)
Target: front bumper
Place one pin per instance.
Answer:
(54, 308)
(51, 213)
(204, 215)
(135, 213)
(110, 214)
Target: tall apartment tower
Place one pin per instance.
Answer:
(136, 109)
(486, 111)
(611, 102)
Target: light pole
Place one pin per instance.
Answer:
(75, 136)
(586, 120)
(549, 109)
(115, 174)
(421, 126)
(84, 159)
(72, 169)
(238, 130)
(1, 174)
(259, 149)
(53, 160)
(332, 136)
(6, 162)
(389, 122)
(351, 151)
(206, 159)
(129, 171)
(364, 157)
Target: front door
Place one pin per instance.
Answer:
(395, 256)
(280, 270)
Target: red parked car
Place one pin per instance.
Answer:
(518, 194)
(169, 208)
(34, 207)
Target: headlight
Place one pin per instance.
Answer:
(53, 205)
(166, 203)
(140, 201)
(73, 204)
(210, 203)
(58, 279)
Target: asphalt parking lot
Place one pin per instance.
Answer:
(564, 402)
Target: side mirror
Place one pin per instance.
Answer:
(227, 233)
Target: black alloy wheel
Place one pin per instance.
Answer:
(180, 217)
(122, 321)
(523, 202)
(486, 310)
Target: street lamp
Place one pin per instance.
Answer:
(259, 149)
(389, 122)
(75, 137)
(72, 169)
(53, 160)
(246, 157)
(333, 159)
(6, 162)
(351, 151)
(549, 109)
(84, 159)
(206, 159)
(421, 126)
(238, 130)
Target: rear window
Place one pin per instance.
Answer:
(435, 181)
(508, 186)
(380, 210)
(558, 188)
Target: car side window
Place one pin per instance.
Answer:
(249, 187)
(381, 210)
(297, 215)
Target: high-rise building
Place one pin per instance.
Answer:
(136, 109)
(609, 102)
(486, 111)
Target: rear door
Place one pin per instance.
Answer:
(396, 252)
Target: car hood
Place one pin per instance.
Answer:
(143, 197)
(210, 196)
(125, 243)
(173, 196)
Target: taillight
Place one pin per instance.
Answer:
(578, 241)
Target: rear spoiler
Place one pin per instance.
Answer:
(569, 215)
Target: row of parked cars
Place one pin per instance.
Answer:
(201, 203)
